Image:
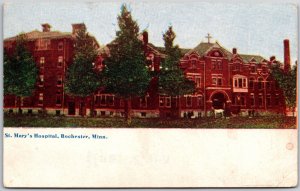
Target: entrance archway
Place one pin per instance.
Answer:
(218, 100)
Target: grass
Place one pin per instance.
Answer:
(261, 122)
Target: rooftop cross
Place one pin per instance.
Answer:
(208, 37)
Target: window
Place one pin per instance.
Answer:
(161, 101)
(42, 61)
(58, 99)
(268, 100)
(174, 101)
(200, 100)
(122, 103)
(242, 100)
(143, 102)
(188, 101)
(252, 100)
(260, 100)
(237, 67)
(60, 61)
(244, 83)
(143, 114)
(251, 83)
(41, 99)
(217, 81)
(43, 44)
(217, 65)
(57, 112)
(97, 99)
(269, 85)
(105, 100)
(168, 101)
(193, 62)
(239, 99)
(276, 101)
(276, 85)
(164, 101)
(198, 81)
(240, 82)
(59, 80)
(110, 100)
(60, 45)
(253, 69)
(41, 80)
(260, 83)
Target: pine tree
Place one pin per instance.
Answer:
(82, 79)
(20, 71)
(125, 68)
(172, 80)
(287, 81)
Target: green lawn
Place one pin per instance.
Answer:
(262, 122)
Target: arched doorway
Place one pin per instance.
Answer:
(218, 100)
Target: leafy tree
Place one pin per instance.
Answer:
(172, 80)
(82, 79)
(125, 68)
(20, 71)
(287, 81)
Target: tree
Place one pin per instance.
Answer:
(20, 71)
(287, 81)
(172, 80)
(82, 78)
(125, 68)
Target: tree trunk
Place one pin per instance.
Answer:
(81, 106)
(127, 110)
(92, 106)
(179, 107)
(20, 104)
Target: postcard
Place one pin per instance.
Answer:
(143, 94)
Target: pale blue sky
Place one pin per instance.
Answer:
(251, 28)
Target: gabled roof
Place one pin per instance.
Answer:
(204, 47)
(248, 58)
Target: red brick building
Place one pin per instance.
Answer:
(223, 79)
(53, 53)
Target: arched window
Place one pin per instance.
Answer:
(260, 83)
(251, 83)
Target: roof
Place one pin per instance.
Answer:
(33, 35)
(248, 58)
(36, 34)
(162, 49)
(204, 47)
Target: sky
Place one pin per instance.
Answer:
(252, 28)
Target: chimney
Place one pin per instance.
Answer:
(46, 27)
(287, 60)
(76, 27)
(272, 58)
(234, 51)
(145, 37)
